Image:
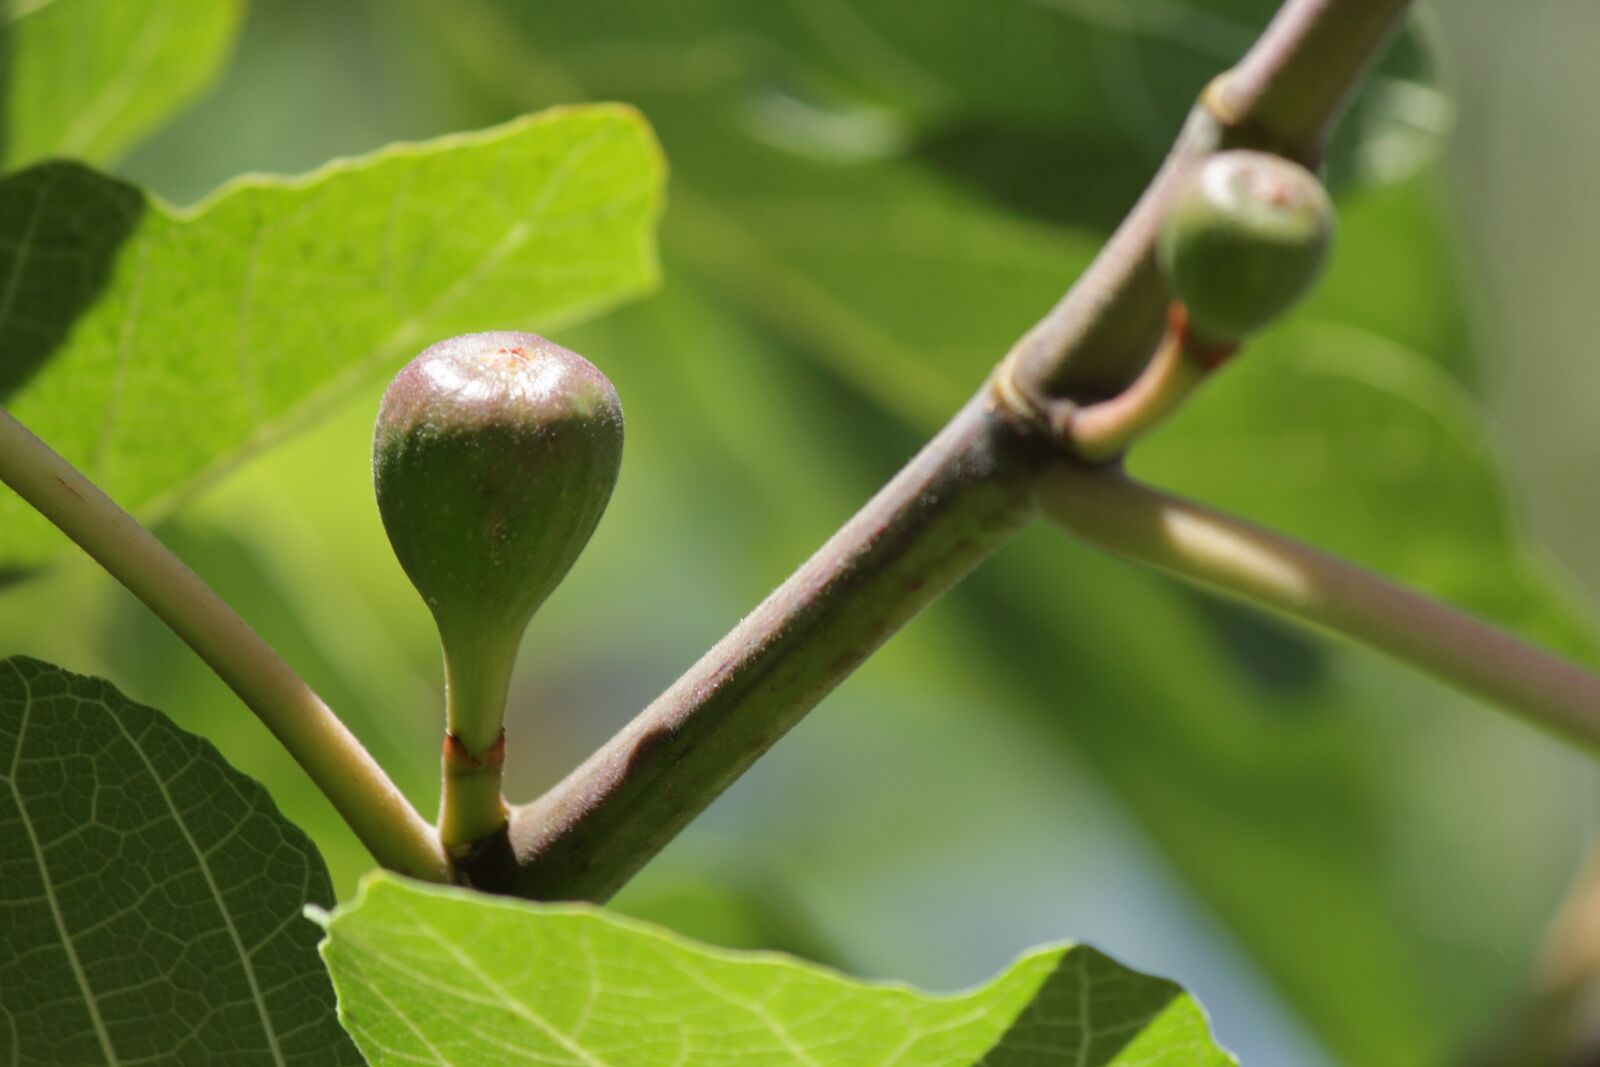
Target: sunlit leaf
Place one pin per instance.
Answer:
(152, 346)
(448, 976)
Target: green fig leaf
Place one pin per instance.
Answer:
(437, 975)
(152, 346)
(151, 896)
(88, 78)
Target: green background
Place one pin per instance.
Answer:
(1343, 862)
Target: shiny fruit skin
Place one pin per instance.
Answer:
(494, 456)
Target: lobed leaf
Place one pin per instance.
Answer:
(151, 346)
(900, 238)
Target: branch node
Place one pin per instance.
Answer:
(1029, 412)
(1234, 128)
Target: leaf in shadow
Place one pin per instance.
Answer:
(150, 895)
(62, 227)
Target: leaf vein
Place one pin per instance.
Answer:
(245, 960)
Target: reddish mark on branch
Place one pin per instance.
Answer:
(63, 483)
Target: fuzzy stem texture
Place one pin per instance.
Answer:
(335, 760)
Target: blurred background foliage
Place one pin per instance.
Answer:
(870, 200)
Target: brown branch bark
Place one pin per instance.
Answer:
(962, 497)
(1283, 97)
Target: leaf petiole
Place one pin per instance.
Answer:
(331, 755)
(1227, 554)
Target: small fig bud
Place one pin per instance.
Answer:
(1246, 234)
(493, 458)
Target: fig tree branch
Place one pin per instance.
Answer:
(1298, 76)
(963, 496)
(335, 760)
(1261, 567)
(1282, 97)
(959, 499)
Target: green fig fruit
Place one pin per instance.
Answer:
(1246, 234)
(493, 458)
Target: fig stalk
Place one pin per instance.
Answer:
(1102, 432)
(1245, 237)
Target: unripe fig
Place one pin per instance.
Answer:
(1246, 234)
(493, 458)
